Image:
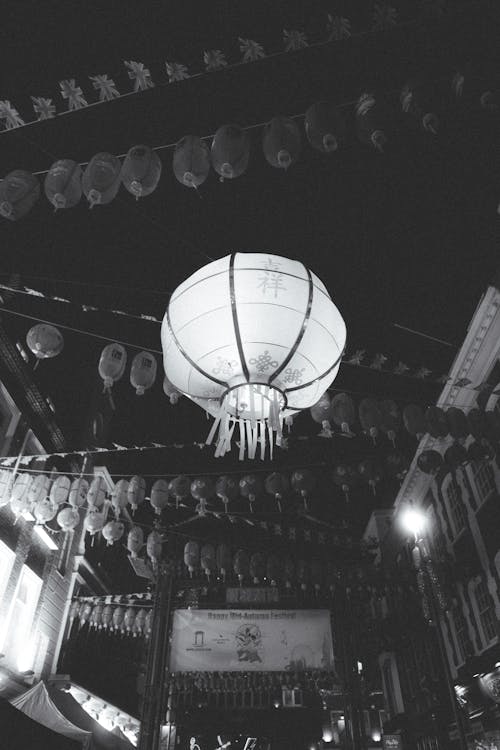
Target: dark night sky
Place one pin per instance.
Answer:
(410, 237)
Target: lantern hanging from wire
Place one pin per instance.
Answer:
(241, 565)
(112, 366)
(274, 569)
(117, 619)
(321, 412)
(418, 99)
(170, 391)
(414, 420)
(68, 519)
(227, 489)
(437, 424)
(344, 413)
(107, 617)
(223, 560)
(455, 456)
(191, 556)
(251, 488)
(135, 541)
(39, 489)
(45, 341)
(191, 161)
(303, 481)
(19, 191)
(288, 571)
(97, 493)
(159, 496)
(430, 461)
(113, 531)
(257, 566)
(281, 142)
(316, 575)
(78, 492)
(119, 496)
(96, 616)
(128, 620)
(476, 423)
(230, 151)
(140, 619)
(59, 492)
(207, 558)
(252, 338)
(44, 510)
(372, 121)
(63, 184)
(154, 547)
(84, 613)
(136, 492)
(101, 179)
(325, 127)
(141, 171)
(370, 417)
(457, 423)
(94, 521)
(202, 489)
(143, 372)
(369, 472)
(277, 485)
(390, 419)
(180, 488)
(345, 477)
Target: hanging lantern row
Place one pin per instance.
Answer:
(376, 417)
(325, 127)
(112, 618)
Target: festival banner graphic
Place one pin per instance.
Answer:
(222, 640)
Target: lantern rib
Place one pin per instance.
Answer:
(188, 358)
(320, 377)
(236, 325)
(302, 330)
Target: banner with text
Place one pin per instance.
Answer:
(242, 640)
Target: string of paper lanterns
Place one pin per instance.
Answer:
(229, 154)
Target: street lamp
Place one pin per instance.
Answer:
(414, 521)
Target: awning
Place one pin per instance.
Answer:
(20, 732)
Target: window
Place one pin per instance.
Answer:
(486, 613)
(15, 640)
(457, 510)
(484, 478)
(461, 634)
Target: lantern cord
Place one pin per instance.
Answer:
(425, 335)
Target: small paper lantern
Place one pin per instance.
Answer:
(148, 623)
(316, 570)
(325, 127)
(303, 574)
(390, 419)
(321, 412)
(252, 338)
(143, 372)
(45, 341)
(414, 420)
(94, 521)
(191, 161)
(457, 423)
(251, 488)
(303, 482)
(276, 484)
(119, 496)
(223, 560)
(281, 142)
(455, 456)
(159, 496)
(370, 417)
(369, 471)
(257, 566)
(418, 99)
(85, 612)
(39, 489)
(97, 493)
(101, 179)
(171, 391)
(140, 620)
(481, 450)
(207, 557)
(63, 184)
(112, 364)
(59, 492)
(476, 423)
(372, 121)
(107, 617)
(154, 546)
(227, 488)
(437, 424)
(136, 492)
(141, 171)
(113, 531)
(289, 571)
(241, 565)
(128, 620)
(274, 569)
(429, 461)
(191, 556)
(180, 488)
(19, 191)
(343, 412)
(68, 519)
(230, 151)
(135, 541)
(117, 619)
(78, 492)
(73, 611)
(202, 489)
(96, 616)
(346, 478)
(44, 510)
(19, 499)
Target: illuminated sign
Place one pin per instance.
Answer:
(392, 742)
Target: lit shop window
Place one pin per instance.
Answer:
(15, 638)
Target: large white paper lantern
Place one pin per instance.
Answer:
(252, 338)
